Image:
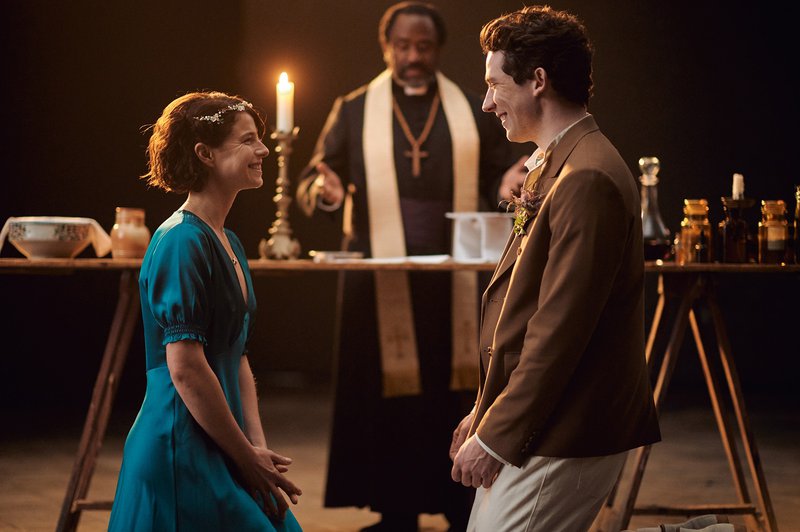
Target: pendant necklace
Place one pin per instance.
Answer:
(415, 153)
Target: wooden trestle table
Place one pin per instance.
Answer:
(692, 285)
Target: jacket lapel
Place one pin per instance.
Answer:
(507, 258)
(552, 169)
(564, 148)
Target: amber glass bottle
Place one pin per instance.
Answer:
(773, 232)
(797, 224)
(694, 247)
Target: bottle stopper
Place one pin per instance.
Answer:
(649, 167)
(738, 187)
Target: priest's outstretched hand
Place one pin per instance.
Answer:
(511, 183)
(329, 184)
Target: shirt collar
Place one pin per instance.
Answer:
(539, 156)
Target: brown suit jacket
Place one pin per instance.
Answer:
(563, 370)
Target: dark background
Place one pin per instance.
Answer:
(707, 87)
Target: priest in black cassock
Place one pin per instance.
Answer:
(396, 155)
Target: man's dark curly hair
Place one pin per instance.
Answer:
(538, 36)
(411, 8)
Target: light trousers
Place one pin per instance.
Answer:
(546, 495)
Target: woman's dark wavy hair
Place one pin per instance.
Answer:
(411, 8)
(538, 36)
(173, 165)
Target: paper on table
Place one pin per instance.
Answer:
(419, 259)
(475, 260)
(428, 259)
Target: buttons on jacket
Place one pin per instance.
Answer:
(529, 442)
(519, 251)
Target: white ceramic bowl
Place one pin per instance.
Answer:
(39, 237)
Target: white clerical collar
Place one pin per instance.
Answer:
(539, 156)
(408, 90)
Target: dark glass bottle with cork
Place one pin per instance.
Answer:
(733, 230)
(797, 224)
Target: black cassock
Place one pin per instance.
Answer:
(392, 454)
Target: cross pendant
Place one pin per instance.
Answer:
(416, 155)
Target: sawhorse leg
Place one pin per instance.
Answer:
(742, 420)
(616, 514)
(617, 511)
(105, 388)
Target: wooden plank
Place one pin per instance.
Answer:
(696, 509)
(83, 504)
(23, 266)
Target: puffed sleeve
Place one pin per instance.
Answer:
(179, 275)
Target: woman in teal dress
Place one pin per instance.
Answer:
(196, 458)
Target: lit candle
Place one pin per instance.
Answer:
(284, 121)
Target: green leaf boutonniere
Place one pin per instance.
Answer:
(526, 206)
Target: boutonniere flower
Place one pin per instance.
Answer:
(526, 206)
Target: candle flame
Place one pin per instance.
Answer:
(283, 82)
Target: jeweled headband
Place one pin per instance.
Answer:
(217, 117)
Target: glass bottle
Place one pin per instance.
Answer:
(773, 232)
(701, 248)
(797, 224)
(694, 247)
(733, 231)
(655, 234)
(129, 236)
(676, 247)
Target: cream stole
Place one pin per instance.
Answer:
(399, 357)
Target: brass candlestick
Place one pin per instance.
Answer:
(281, 245)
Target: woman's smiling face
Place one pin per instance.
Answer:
(238, 159)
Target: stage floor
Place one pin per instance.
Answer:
(688, 467)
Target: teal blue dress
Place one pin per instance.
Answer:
(173, 476)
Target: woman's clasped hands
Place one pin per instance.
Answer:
(262, 475)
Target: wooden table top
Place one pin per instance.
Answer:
(262, 266)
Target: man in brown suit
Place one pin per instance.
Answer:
(565, 389)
